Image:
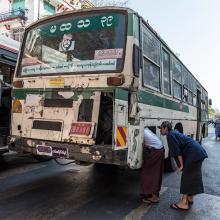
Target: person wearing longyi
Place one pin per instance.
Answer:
(152, 169)
(189, 155)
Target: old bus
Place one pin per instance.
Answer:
(88, 82)
(8, 56)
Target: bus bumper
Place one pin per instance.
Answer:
(82, 153)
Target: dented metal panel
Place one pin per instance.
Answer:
(135, 147)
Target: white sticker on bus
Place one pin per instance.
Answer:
(75, 66)
(108, 54)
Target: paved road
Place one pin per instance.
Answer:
(33, 190)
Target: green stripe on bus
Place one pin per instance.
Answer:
(121, 94)
(87, 92)
(21, 93)
(151, 99)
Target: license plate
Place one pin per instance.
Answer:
(80, 128)
(60, 152)
(44, 150)
(52, 151)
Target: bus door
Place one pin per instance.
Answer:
(198, 115)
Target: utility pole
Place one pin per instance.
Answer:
(38, 10)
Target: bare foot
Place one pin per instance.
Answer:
(190, 199)
(182, 205)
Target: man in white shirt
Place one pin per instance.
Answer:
(152, 169)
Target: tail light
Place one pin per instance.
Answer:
(16, 106)
(18, 83)
(115, 80)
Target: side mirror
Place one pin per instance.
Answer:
(136, 60)
(210, 101)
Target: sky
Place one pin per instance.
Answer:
(191, 28)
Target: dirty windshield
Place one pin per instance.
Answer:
(85, 43)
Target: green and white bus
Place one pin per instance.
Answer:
(88, 82)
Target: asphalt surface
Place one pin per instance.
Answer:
(33, 190)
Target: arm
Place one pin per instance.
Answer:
(180, 159)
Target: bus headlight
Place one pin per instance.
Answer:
(16, 106)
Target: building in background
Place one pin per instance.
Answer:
(15, 15)
(9, 49)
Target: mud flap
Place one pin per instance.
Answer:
(120, 119)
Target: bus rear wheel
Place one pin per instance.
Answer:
(169, 164)
(41, 158)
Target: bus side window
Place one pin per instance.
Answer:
(166, 72)
(177, 79)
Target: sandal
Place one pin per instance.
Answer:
(176, 207)
(190, 202)
(150, 201)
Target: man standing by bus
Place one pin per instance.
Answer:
(152, 169)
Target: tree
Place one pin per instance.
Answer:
(100, 3)
(213, 112)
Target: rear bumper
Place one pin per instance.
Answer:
(85, 153)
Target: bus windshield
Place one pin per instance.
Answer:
(73, 44)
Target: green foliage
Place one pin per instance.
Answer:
(213, 112)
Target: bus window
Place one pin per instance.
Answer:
(75, 44)
(151, 50)
(190, 98)
(185, 85)
(177, 71)
(177, 90)
(151, 75)
(166, 73)
(177, 79)
(151, 46)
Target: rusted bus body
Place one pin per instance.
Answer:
(88, 82)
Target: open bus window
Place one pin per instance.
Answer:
(194, 100)
(185, 94)
(77, 43)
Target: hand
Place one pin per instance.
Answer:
(180, 169)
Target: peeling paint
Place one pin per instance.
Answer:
(33, 100)
(66, 95)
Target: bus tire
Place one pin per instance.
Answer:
(169, 164)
